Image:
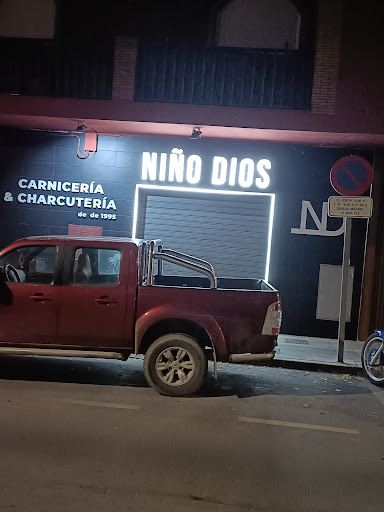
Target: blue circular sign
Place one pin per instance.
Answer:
(351, 175)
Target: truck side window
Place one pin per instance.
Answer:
(33, 264)
(96, 266)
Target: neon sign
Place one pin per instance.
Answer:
(178, 168)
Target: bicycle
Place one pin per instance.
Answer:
(372, 358)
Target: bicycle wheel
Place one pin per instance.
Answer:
(374, 372)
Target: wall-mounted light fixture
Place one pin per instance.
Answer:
(196, 133)
(90, 142)
(81, 126)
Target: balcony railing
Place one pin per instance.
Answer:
(42, 68)
(235, 77)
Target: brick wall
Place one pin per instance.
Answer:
(124, 68)
(327, 56)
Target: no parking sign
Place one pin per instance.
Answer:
(351, 175)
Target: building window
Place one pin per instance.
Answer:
(34, 19)
(258, 24)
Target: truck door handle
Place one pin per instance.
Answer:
(40, 297)
(105, 300)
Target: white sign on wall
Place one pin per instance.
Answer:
(178, 168)
(89, 196)
(321, 225)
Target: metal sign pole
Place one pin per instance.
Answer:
(351, 176)
(344, 288)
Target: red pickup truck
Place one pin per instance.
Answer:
(109, 298)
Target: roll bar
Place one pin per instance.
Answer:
(178, 258)
(186, 257)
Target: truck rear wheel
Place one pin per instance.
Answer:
(175, 365)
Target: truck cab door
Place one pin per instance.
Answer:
(93, 300)
(31, 291)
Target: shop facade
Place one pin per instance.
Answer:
(252, 209)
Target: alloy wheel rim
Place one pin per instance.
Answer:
(175, 366)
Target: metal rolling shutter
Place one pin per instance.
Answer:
(231, 232)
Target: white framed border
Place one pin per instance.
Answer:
(210, 191)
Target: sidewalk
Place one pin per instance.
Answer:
(317, 354)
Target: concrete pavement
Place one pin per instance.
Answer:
(317, 354)
(92, 436)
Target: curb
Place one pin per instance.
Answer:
(338, 368)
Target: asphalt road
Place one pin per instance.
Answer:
(82, 435)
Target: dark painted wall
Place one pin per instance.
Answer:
(160, 22)
(54, 157)
(298, 173)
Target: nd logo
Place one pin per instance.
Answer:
(321, 225)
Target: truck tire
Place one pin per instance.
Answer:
(175, 365)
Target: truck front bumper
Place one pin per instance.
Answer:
(251, 358)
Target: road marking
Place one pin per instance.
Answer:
(299, 425)
(101, 404)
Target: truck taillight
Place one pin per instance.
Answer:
(272, 320)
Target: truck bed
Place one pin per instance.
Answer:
(239, 314)
(223, 283)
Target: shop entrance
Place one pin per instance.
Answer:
(230, 230)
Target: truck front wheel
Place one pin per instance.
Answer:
(175, 365)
